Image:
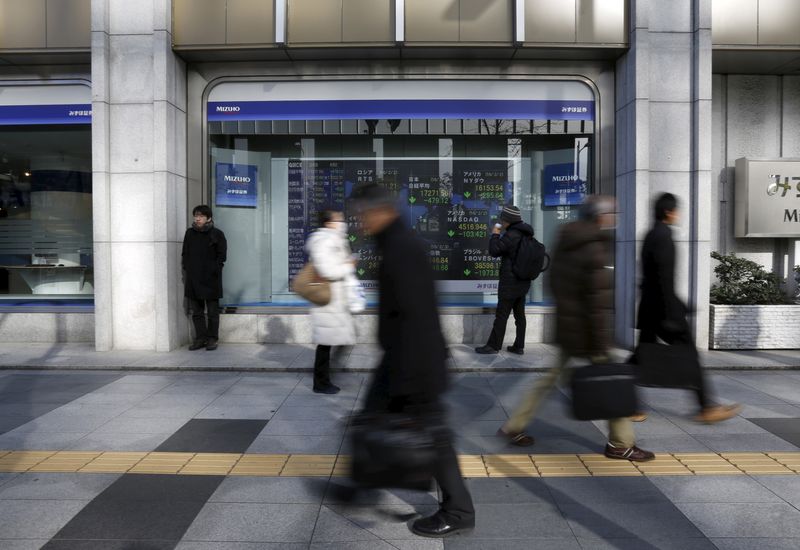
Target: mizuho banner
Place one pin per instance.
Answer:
(767, 198)
(237, 185)
(561, 186)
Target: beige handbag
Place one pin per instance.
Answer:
(309, 285)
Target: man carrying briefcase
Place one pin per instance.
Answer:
(582, 282)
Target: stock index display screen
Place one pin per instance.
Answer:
(451, 203)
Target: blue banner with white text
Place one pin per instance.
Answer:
(237, 185)
(561, 186)
(11, 115)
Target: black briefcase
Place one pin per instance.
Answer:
(603, 391)
(666, 366)
(394, 451)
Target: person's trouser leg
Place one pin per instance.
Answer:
(197, 307)
(520, 322)
(456, 500)
(322, 364)
(524, 412)
(500, 320)
(684, 338)
(213, 318)
(620, 433)
(377, 398)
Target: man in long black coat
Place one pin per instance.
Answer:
(204, 253)
(661, 313)
(511, 290)
(412, 374)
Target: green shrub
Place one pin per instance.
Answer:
(744, 282)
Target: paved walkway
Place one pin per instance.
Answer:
(108, 459)
(300, 358)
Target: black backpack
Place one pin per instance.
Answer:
(529, 261)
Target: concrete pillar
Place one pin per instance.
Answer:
(663, 123)
(139, 167)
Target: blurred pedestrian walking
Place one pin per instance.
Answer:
(662, 315)
(582, 281)
(505, 243)
(411, 376)
(202, 258)
(332, 324)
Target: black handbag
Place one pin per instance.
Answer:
(395, 451)
(603, 391)
(666, 366)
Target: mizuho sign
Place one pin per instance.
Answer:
(767, 198)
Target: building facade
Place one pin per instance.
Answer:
(117, 117)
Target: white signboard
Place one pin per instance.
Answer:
(767, 198)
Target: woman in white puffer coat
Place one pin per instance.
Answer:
(332, 324)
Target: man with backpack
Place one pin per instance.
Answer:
(522, 260)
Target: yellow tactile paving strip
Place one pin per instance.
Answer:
(300, 465)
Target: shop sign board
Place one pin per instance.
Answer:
(767, 201)
(237, 185)
(562, 186)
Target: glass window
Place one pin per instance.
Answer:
(452, 177)
(45, 207)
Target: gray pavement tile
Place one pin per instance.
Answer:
(334, 525)
(310, 413)
(36, 519)
(5, 477)
(509, 491)
(240, 413)
(304, 427)
(480, 427)
(786, 487)
(320, 400)
(163, 411)
(753, 543)
(272, 400)
(380, 496)
(519, 521)
(118, 442)
(25, 410)
(595, 492)
(770, 411)
(713, 489)
(656, 425)
(110, 398)
(187, 400)
(253, 523)
(57, 422)
(466, 542)
(6, 544)
(242, 546)
(141, 425)
(300, 445)
(765, 442)
(649, 544)
(46, 486)
(461, 413)
(735, 425)
(419, 544)
(277, 490)
(671, 443)
(338, 523)
(641, 520)
(743, 519)
(50, 441)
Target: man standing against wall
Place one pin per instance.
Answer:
(204, 253)
(511, 290)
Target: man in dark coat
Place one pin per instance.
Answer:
(511, 291)
(204, 254)
(661, 313)
(412, 374)
(582, 281)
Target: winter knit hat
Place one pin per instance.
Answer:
(511, 214)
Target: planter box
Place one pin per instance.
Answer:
(755, 327)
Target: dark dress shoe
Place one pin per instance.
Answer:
(438, 526)
(520, 439)
(485, 350)
(212, 344)
(634, 454)
(197, 344)
(518, 351)
(329, 389)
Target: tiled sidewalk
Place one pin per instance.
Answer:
(300, 358)
(202, 425)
